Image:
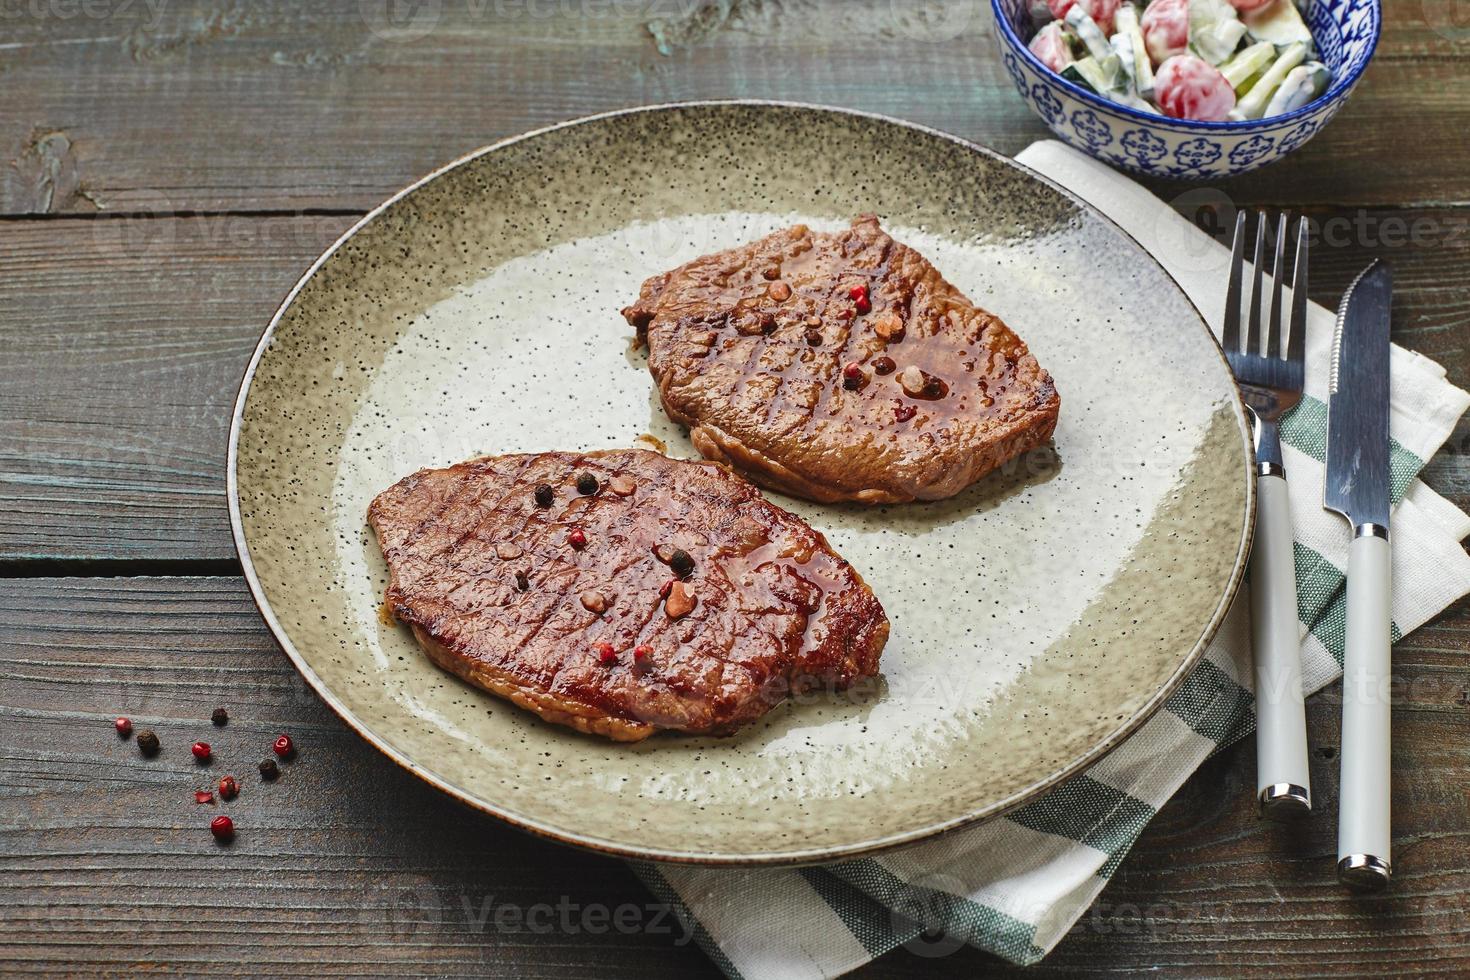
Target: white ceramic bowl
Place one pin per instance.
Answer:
(1346, 32)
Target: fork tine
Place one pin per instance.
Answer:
(1296, 345)
(1272, 341)
(1258, 268)
(1230, 333)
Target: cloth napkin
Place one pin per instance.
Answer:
(1016, 884)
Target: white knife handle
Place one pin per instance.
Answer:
(1363, 818)
(1282, 783)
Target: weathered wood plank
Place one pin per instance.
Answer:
(349, 866)
(125, 338)
(124, 341)
(147, 106)
(346, 865)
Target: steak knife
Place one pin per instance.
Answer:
(1358, 488)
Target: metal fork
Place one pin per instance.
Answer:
(1270, 386)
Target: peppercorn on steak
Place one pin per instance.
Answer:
(840, 367)
(622, 592)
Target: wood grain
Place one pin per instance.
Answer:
(167, 170)
(125, 340)
(219, 106)
(349, 866)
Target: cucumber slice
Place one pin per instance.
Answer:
(1249, 63)
(1086, 28)
(1122, 46)
(1278, 22)
(1084, 73)
(1129, 27)
(1301, 85)
(1105, 77)
(1214, 30)
(1253, 106)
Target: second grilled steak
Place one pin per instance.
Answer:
(622, 592)
(840, 367)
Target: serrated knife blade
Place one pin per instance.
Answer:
(1357, 485)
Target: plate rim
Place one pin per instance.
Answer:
(810, 855)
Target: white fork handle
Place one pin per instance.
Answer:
(1363, 818)
(1282, 783)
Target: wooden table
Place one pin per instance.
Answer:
(168, 168)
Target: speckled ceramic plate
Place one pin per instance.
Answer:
(1037, 618)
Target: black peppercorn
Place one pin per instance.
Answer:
(814, 337)
(220, 716)
(544, 495)
(147, 742)
(884, 365)
(523, 583)
(269, 770)
(681, 563)
(587, 484)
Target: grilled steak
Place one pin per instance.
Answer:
(622, 592)
(840, 367)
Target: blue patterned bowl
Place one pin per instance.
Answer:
(1346, 32)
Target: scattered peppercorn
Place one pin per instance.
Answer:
(852, 376)
(201, 751)
(220, 716)
(621, 485)
(269, 770)
(124, 727)
(544, 495)
(148, 742)
(911, 379)
(768, 323)
(202, 796)
(680, 603)
(523, 582)
(884, 365)
(229, 788)
(587, 485)
(779, 291)
(594, 602)
(681, 563)
(857, 292)
(283, 746)
(903, 413)
(508, 551)
(814, 337)
(888, 325)
(642, 651)
(223, 829)
(605, 653)
(859, 297)
(577, 538)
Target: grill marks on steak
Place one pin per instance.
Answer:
(748, 348)
(776, 609)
